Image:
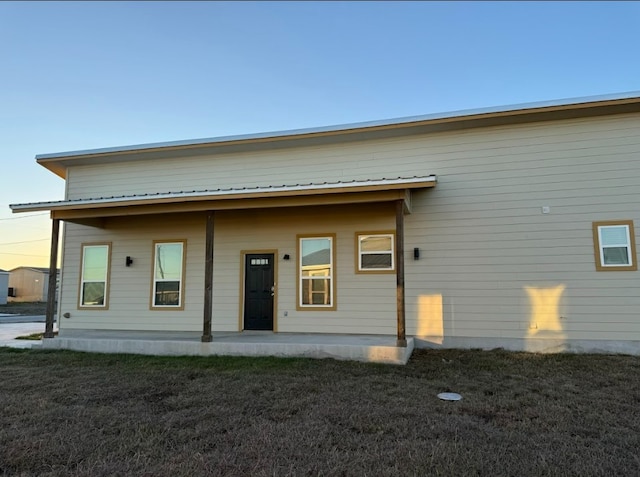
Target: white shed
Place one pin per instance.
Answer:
(4, 286)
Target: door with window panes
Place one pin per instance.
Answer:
(259, 290)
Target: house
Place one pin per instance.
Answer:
(4, 286)
(503, 227)
(29, 283)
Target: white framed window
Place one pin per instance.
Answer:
(94, 276)
(168, 275)
(316, 272)
(614, 245)
(375, 252)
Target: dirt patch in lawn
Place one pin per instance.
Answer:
(76, 414)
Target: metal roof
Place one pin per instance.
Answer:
(345, 127)
(205, 194)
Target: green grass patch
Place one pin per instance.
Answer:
(34, 336)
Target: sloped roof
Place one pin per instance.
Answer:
(319, 257)
(464, 119)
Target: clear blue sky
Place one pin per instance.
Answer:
(82, 75)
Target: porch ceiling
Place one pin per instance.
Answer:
(379, 190)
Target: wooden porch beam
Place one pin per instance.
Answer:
(51, 293)
(400, 300)
(208, 279)
(133, 209)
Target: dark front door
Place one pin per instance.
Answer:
(258, 291)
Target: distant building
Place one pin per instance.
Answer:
(29, 283)
(4, 286)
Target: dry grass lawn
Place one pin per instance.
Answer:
(75, 414)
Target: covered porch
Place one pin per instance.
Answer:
(97, 213)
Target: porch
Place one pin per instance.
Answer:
(364, 348)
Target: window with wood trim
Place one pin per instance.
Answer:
(375, 252)
(94, 276)
(614, 245)
(168, 274)
(316, 272)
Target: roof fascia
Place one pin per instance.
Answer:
(222, 195)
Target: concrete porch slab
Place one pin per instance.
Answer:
(365, 348)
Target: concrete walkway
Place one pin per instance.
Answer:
(367, 348)
(16, 325)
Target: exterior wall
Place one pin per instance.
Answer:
(494, 269)
(30, 284)
(496, 153)
(4, 287)
(130, 287)
(365, 303)
(235, 232)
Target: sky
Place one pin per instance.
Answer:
(82, 75)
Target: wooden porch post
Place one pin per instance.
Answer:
(208, 280)
(53, 274)
(402, 339)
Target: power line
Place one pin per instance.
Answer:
(26, 241)
(26, 217)
(22, 254)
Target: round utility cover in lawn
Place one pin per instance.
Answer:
(449, 396)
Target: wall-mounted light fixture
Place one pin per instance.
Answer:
(128, 261)
(286, 257)
(416, 253)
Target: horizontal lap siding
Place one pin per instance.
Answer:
(484, 241)
(365, 303)
(483, 153)
(130, 292)
(494, 266)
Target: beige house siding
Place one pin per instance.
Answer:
(234, 232)
(496, 267)
(492, 265)
(495, 154)
(130, 287)
(365, 304)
